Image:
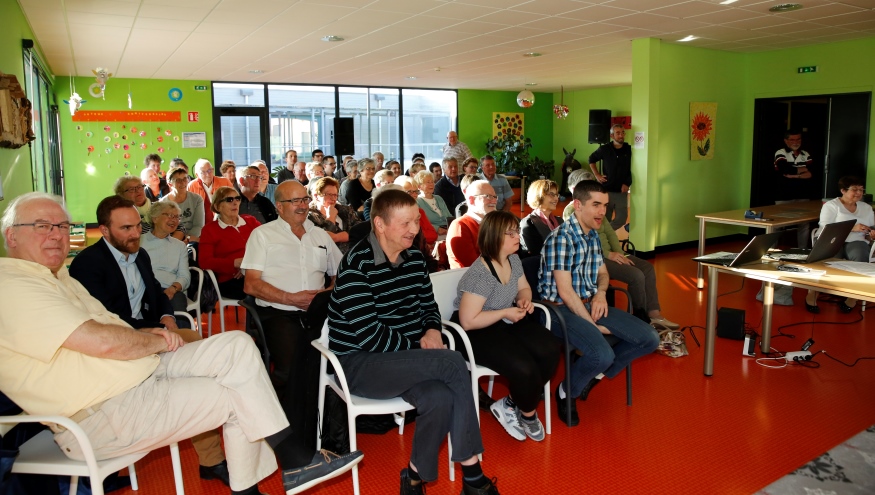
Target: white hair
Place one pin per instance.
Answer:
(10, 216)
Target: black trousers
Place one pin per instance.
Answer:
(525, 353)
(295, 373)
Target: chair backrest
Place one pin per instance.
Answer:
(531, 267)
(445, 285)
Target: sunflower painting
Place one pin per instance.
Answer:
(703, 130)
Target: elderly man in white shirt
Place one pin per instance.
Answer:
(455, 148)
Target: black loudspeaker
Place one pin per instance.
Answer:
(599, 126)
(343, 138)
(730, 323)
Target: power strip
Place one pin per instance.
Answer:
(798, 356)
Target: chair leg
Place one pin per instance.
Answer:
(209, 324)
(236, 314)
(132, 473)
(74, 484)
(177, 468)
(629, 385)
(489, 387)
(450, 457)
(352, 447)
(548, 407)
(222, 318)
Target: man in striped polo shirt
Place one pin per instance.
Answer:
(384, 326)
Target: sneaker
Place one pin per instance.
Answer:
(664, 323)
(533, 429)
(325, 465)
(487, 489)
(507, 416)
(408, 488)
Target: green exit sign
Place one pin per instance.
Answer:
(806, 70)
(200, 88)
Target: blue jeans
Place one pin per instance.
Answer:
(437, 383)
(636, 339)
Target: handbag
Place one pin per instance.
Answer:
(672, 343)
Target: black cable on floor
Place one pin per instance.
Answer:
(734, 291)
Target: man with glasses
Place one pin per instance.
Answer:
(287, 264)
(251, 202)
(131, 391)
(462, 248)
(793, 178)
(288, 173)
(317, 155)
(206, 184)
(133, 189)
(329, 165)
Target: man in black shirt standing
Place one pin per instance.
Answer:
(616, 174)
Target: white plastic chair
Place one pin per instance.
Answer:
(196, 304)
(445, 286)
(41, 455)
(224, 302)
(355, 404)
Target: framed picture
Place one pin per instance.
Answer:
(194, 139)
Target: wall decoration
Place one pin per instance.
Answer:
(194, 139)
(125, 116)
(75, 102)
(175, 94)
(97, 89)
(16, 124)
(525, 99)
(625, 121)
(703, 127)
(505, 124)
(561, 110)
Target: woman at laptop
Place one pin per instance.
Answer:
(848, 206)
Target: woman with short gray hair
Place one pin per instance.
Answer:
(358, 191)
(168, 255)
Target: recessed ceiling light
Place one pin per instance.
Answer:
(531, 84)
(411, 77)
(785, 7)
(332, 37)
(531, 54)
(727, 2)
(256, 71)
(689, 38)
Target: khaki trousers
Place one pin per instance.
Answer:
(220, 381)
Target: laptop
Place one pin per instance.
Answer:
(753, 252)
(828, 244)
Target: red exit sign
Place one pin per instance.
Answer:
(194, 116)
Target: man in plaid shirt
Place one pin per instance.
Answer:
(574, 276)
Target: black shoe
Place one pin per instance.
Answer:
(408, 488)
(589, 386)
(562, 409)
(325, 465)
(845, 308)
(487, 489)
(217, 472)
(485, 401)
(812, 308)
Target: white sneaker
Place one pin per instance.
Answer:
(533, 429)
(508, 418)
(662, 322)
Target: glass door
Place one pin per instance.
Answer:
(241, 135)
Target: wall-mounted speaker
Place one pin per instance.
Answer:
(343, 138)
(599, 126)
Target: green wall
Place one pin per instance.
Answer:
(90, 176)
(475, 119)
(15, 167)
(573, 131)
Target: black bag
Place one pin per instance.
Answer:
(209, 295)
(335, 424)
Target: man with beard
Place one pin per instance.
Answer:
(118, 273)
(286, 264)
(616, 174)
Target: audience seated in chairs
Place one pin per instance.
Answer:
(286, 265)
(169, 256)
(493, 306)
(206, 184)
(462, 235)
(223, 242)
(192, 206)
(384, 326)
(335, 219)
(359, 190)
(638, 274)
(543, 196)
(573, 274)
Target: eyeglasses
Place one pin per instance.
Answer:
(413, 192)
(486, 196)
(252, 177)
(857, 189)
(181, 180)
(370, 169)
(134, 189)
(231, 199)
(296, 201)
(44, 228)
(553, 194)
(513, 234)
(329, 196)
(171, 217)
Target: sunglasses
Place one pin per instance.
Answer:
(231, 199)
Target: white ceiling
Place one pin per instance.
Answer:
(473, 44)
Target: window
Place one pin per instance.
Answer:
(238, 95)
(429, 114)
(375, 120)
(301, 118)
(45, 152)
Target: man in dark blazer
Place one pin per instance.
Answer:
(118, 273)
(101, 269)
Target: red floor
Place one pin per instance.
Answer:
(733, 433)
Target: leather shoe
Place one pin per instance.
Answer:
(845, 308)
(589, 386)
(812, 308)
(485, 401)
(562, 409)
(217, 472)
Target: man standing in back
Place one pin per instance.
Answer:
(793, 178)
(288, 173)
(616, 174)
(455, 148)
